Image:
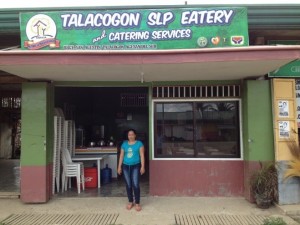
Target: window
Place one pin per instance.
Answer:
(201, 129)
(10, 102)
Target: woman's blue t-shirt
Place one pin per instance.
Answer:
(132, 152)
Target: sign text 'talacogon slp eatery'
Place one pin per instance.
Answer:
(144, 29)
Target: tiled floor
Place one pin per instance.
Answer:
(63, 219)
(219, 219)
(9, 175)
(114, 189)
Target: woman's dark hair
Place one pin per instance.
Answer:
(133, 130)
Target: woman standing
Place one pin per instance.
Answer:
(132, 164)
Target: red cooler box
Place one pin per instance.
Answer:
(91, 177)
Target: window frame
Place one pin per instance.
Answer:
(182, 100)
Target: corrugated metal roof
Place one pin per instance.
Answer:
(259, 16)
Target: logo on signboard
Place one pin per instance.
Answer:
(215, 40)
(237, 40)
(41, 32)
(202, 42)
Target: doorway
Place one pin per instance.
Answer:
(102, 115)
(10, 139)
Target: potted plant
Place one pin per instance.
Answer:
(293, 166)
(264, 185)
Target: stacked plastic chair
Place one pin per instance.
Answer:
(71, 169)
(58, 145)
(69, 131)
(64, 148)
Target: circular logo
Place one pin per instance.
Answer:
(40, 27)
(202, 42)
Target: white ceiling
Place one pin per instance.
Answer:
(228, 70)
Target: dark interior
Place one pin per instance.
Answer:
(117, 109)
(92, 107)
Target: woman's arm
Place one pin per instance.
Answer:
(120, 161)
(142, 155)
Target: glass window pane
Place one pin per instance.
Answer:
(174, 130)
(197, 129)
(217, 129)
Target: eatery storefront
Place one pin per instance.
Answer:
(207, 119)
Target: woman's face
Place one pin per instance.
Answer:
(131, 136)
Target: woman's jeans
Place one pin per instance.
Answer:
(132, 178)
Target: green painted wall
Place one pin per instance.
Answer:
(257, 121)
(37, 124)
(50, 123)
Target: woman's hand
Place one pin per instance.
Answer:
(142, 156)
(119, 170)
(142, 170)
(120, 161)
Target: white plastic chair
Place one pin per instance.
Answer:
(71, 169)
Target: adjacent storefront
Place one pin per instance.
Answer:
(286, 123)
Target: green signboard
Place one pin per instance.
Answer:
(148, 29)
(291, 69)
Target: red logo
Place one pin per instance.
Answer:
(237, 40)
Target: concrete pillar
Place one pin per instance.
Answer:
(37, 142)
(258, 140)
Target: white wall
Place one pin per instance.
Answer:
(91, 3)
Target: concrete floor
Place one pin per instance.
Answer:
(111, 198)
(156, 210)
(10, 184)
(10, 175)
(114, 189)
(292, 211)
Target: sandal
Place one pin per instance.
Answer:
(129, 205)
(138, 207)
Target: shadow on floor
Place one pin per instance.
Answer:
(114, 189)
(9, 175)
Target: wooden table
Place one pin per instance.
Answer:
(96, 158)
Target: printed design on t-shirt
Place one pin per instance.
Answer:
(129, 153)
